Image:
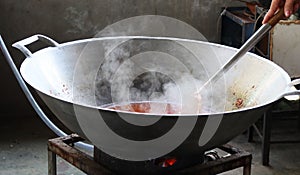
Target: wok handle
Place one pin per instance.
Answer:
(31, 99)
(21, 45)
(294, 93)
(295, 82)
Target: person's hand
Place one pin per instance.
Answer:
(289, 6)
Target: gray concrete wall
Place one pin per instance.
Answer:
(65, 20)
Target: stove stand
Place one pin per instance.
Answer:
(63, 147)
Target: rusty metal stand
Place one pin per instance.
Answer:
(63, 147)
(236, 159)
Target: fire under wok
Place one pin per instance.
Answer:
(134, 97)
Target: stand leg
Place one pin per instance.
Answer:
(266, 137)
(299, 114)
(247, 169)
(51, 163)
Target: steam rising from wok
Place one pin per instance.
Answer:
(133, 73)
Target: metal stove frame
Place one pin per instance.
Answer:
(64, 147)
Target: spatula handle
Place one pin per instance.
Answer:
(277, 17)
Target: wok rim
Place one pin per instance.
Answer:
(265, 60)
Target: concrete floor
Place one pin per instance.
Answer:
(23, 149)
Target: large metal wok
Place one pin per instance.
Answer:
(79, 79)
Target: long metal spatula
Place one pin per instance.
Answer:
(249, 44)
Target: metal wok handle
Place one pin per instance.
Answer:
(21, 45)
(292, 92)
(295, 82)
(32, 101)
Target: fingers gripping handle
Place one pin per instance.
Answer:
(277, 17)
(21, 45)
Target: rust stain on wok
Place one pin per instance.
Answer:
(64, 90)
(239, 103)
(241, 97)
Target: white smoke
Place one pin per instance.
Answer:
(167, 74)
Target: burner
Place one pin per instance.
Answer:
(213, 163)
